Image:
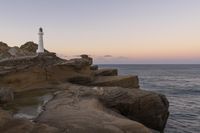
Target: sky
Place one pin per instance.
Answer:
(110, 31)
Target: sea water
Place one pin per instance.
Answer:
(180, 84)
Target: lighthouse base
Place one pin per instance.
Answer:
(39, 51)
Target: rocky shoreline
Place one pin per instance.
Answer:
(85, 99)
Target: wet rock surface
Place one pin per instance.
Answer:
(121, 81)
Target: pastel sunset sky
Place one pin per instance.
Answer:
(111, 31)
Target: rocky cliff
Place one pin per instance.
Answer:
(85, 99)
(27, 49)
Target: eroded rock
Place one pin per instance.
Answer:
(148, 108)
(23, 73)
(6, 95)
(79, 110)
(31, 47)
(121, 81)
(106, 72)
(97, 109)
(3, 47)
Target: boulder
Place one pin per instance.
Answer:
(106, 72)
(31, 47)
(6, 95)
(148, 108)
(79, 110)
(94, 67)
(121, 81)
(86, 57)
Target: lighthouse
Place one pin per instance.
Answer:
(40, 42)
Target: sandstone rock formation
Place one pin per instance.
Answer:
(6, 95)
(25, 126)
(11, 52)
(82, 109)
(105, 102)
(8, 124)
(3, 47)
(106, 72)
(146, 107)
(4, 117)
(30, 47)
(121, 81)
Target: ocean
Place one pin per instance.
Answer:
(180, 84)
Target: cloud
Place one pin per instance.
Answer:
(108, 56)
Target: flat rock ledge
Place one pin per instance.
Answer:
(81, 109)
(121, 81)
(106, 72)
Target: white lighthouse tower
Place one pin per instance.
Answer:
(40, 42)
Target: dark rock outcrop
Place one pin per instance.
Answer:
(94, 67)
(81, 80)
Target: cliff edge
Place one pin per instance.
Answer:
(85, 99)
